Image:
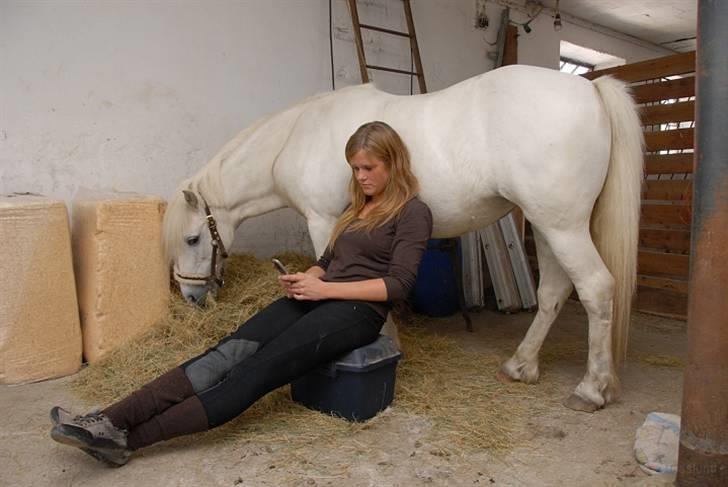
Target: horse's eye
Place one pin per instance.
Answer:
(191, 241)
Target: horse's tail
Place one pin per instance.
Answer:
(615, 220)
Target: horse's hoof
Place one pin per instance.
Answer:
(503, 378)
(577, 403)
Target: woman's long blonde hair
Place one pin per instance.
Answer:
(381, 142)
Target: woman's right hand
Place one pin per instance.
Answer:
(285, 286)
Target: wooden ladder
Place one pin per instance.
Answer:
(363, 66)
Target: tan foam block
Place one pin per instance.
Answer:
(121, 274)
(40, 335)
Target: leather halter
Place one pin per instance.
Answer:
(218, 247)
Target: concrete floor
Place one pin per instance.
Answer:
(558, 447)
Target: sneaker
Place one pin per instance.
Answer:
(59, 415)
(93, 430)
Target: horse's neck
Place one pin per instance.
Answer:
(245, 166)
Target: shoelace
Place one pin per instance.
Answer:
(88, 419)
(93, 418)
(79, 417)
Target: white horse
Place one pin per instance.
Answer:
(566, 150)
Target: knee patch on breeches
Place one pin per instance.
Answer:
(209, 369)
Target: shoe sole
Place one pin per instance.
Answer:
(99, 454)
(102, 457)
(72, 436)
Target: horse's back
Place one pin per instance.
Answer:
(517, 134)
(520, 133)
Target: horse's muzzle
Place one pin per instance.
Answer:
(196, 295)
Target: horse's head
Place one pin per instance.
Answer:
(196, 236)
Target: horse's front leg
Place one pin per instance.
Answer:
(319, 229)
(554, 287)
(389, 328)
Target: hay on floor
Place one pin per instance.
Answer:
(437, 380)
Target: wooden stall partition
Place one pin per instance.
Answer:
(664, 88)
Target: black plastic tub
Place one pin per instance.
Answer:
(355, 387)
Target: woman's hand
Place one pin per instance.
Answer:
(285, 285)
(303, 287)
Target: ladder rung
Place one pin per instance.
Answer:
(392, 70)
(387, 31)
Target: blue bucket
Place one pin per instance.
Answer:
(435, 292)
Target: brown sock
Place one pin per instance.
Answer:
(151, 399)
(184, 418)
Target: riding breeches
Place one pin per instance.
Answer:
(279, 344)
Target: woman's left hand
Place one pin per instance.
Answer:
(304, 287)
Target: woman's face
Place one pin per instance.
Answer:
(371, 173)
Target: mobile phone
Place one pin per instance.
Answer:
(279, 266)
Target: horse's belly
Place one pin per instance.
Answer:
(454, 221)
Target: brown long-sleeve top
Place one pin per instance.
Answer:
(392, 252)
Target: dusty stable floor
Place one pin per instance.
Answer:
(556, 447)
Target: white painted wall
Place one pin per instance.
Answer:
(136, 95)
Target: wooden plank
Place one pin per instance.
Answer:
(414, 46)
(510, 49)
(666, 240)
(664, 90)
(669, 139)
(650, 69)
(662, 264)
(677, 285)
(669, 112)
(669, 215)
(473, 274)
(669, 163)
(520, 221)
(668, 189)
(662, 302)
(499, 266)
(655, 239)
(359, 42)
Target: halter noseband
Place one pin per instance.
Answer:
(218, 247)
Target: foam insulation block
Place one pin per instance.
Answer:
(40, 334)
(121, 274)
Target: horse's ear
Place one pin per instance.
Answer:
(190, 198)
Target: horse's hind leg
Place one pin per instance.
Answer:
(579, 258)
(554, 287)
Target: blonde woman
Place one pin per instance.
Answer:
(337, 305)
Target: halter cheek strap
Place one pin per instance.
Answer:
(218, 247)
